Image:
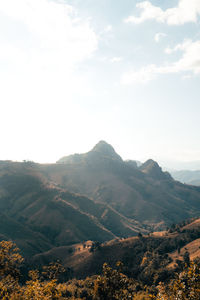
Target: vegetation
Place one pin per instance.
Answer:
(147, 258)
(111, 284)
(186, 285)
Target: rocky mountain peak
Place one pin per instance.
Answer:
(105, 149)
(153, 169)
(150, 163)
(100, 151)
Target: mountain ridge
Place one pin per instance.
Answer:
(134, 191)
(50, 214)
(97, 197)
(153, 169)
(102, 150)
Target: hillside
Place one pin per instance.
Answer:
(38, 215)
(149, 258)
(145, 193)
(143, 267)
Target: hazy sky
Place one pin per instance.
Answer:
(73, 72)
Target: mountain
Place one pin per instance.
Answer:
(101, 152)
(92, 196)
(152, 168)
(134, 163)
(39, 215)
(145, 193)
(187, 176)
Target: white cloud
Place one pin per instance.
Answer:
(186, 11)
(149, 12)
(59, 39)
(51, 41)
(189, 62)
(158, 36)
(42, 44)
(185, 77)
(143, 75)
(116, 59)
(180, 47)
(108, 28)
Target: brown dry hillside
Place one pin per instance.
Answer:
(192, 248)
(193, 225)
(143, 256)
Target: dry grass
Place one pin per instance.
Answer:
(193, 225)
(159, 233)
(193, 248)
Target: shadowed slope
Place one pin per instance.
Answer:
(39, 215)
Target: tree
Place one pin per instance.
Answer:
(10, 260)
(186, 258)
(53, 271)
(95, 246)
(185, 286)
(113, 285)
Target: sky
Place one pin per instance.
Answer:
(74, 72)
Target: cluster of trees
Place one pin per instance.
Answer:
(186, 285)
(112, 284)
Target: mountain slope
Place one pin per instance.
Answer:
(37, 212)
(141, 256)
(91, 196)
(148, 258)
(146, 194)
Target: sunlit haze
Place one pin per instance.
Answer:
(74, 72)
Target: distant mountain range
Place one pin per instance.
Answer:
(93, 196)
(180, 165)
(187, 176)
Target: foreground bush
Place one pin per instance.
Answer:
(185, 286)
